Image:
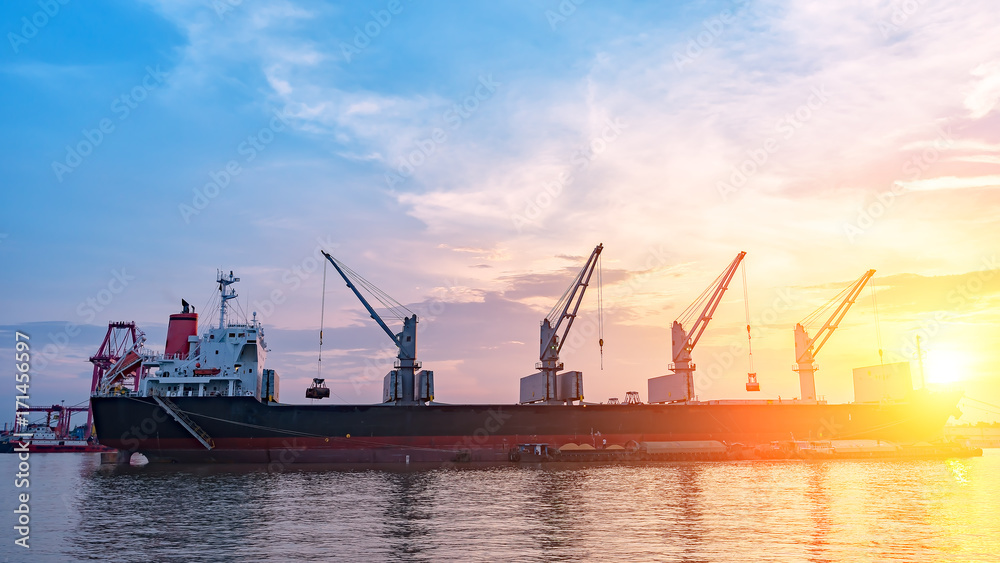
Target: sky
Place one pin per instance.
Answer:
(468, 157)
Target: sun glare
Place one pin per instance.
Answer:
(945, 366)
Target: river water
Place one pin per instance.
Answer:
(856, 510)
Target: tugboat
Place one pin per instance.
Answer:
(52, 436)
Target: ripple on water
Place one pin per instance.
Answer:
(761, 510)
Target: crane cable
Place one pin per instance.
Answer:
(694, 309)
(322, 314)
(989, 405)
(391, 306)
(878, 329)
(600, 307)
(836, 299)
(746, 305)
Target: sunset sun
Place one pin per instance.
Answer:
(946, 365)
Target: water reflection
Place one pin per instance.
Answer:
(685, 494)
(959, 470)
(819, 512)
(160, 510)
(556, 495)
(779, 511)
(407, 510)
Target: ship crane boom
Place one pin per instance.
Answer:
(684, 340)
(545, 385)
(402, 385)
(371, 310)
(551, 340)
(807, 348)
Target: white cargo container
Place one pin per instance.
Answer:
(873, 384)
(668, 388)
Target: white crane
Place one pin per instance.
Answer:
(684, 340)
(552, 339)
(403, 385)
(806, 348)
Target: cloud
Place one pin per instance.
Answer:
(906, 294)
(952, 183)
(986, 92)
(593, 134)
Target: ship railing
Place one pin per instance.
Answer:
(115, 392)
(160, 356)
(398, 364)
(540, 365)
(162, 393)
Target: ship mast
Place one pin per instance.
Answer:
(225, 294)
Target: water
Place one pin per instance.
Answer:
(941, 510)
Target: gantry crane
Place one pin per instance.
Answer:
(402, 385)
(685, 340)
(806, 348)
(555, 328)
(118, 362)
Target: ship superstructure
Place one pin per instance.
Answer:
(227, 360)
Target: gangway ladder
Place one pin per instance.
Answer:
(184, 420)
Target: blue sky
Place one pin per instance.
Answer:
(471, 155)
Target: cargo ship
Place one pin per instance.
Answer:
(210, 399)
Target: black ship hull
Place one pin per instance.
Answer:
(244, 430)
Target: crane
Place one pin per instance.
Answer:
(402, 385)
(684, 340)
(555, 328)
(806, 348)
